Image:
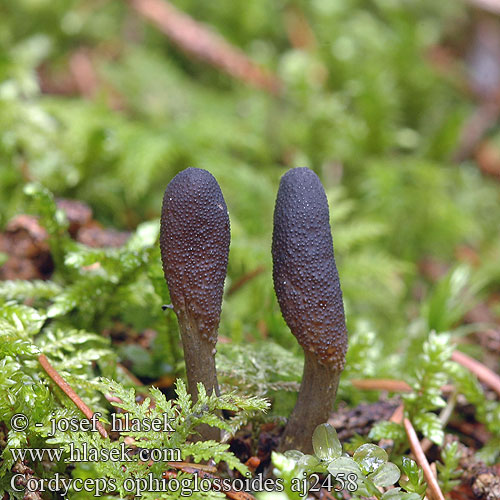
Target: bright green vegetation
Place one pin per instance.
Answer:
(363, 106)
(362, 475)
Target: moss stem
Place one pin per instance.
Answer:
(314, 404)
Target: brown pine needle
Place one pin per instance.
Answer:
(69, 391)
(199, 41)
(191, 468)
(483, 373)
(421, 459)
(81, 68)
(434, 469)
(397, 416)
(244, 280)
(492, 6)
(130, 375)
(230, 493)
(391, 385)
(381, 384)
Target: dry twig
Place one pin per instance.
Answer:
(198, 469)
(130, 375)
(485, 117)
(421, 459)
(244, 280)
(380, 384)
(492, 6)
(190, 468)
(298, 29)
(397, 418)
(204, 44)
(69, 391)
(83, 72)
(483, 373)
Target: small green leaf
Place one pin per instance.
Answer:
(370, 457)
(326, 443)
(386, 430)
(397, 494)
(308, 462)
(411, 469)
(386, 475)
(393, 494)
(415, 482)
(431, 427)
(294, 454)
(345, 465)
(490, 452)
(283, 463)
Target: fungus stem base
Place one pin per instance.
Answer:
(199, 356)
(314, 405)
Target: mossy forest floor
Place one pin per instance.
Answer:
(395, 105)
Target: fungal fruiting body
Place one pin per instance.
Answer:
(308, 290)
(194, 243)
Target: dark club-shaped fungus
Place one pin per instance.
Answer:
(194, 242)
(308, 290)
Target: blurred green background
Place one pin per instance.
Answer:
(98, 105)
